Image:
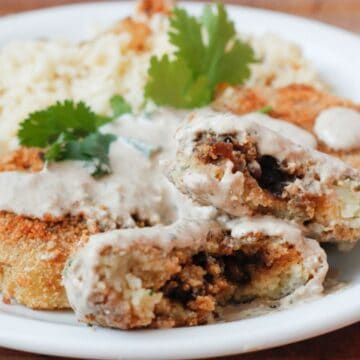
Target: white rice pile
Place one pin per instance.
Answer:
(36, 74)
(282, 63)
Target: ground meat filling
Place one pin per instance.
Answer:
(212, 149)
(265, 169)
(212, 276)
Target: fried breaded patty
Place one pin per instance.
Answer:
(181, 274)
(244, 168)
(33, 251)
(32, 257)
(296, 103)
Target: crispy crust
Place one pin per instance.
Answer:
(32, 251)
(296, 103)
(32, 257)
(23, 159)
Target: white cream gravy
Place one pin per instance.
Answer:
(137, 184)
(290, 131)
(339, 128)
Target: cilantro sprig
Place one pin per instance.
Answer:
(208, 52)
(266, 109)
(69, 131)
(93, 149)
(119, 106)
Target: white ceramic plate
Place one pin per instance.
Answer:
(335, 53)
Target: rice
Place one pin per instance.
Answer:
(36, 74)
(281, 63)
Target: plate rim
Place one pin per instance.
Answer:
(28, 342)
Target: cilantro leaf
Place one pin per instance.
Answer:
(177, 86)
(185, 34)
(101, 120)
(119, 106)
(54, 151)
(228, 70)
(219, 31)
(266, 109)
(69, 131)
(93, 149)
(201, 62)
(76, 120)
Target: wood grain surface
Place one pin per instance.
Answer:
(341, 344)
(344, 13)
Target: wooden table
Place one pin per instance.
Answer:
(342, 344)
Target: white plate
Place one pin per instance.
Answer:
(335, 53)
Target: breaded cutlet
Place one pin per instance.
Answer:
(297, 103)
(183, 273)
(244, 168)
(33, 251)
(32, 257)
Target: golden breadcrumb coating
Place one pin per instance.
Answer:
(32, 257)
(32, 251)
(23, 159)
(296, 103)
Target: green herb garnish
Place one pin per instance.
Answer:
(93, 149)
(207, 53)
(146, 149)
(69, 131)
(266, 109)
(119, 106)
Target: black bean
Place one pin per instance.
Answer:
(234, 270)
(200, 259)
(240, 257)
(272, 177)
(209, 278)
(175, 291)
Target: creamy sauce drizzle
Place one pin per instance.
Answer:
(136, 186)
(284, 128)
(264, 225)
(339, 128)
